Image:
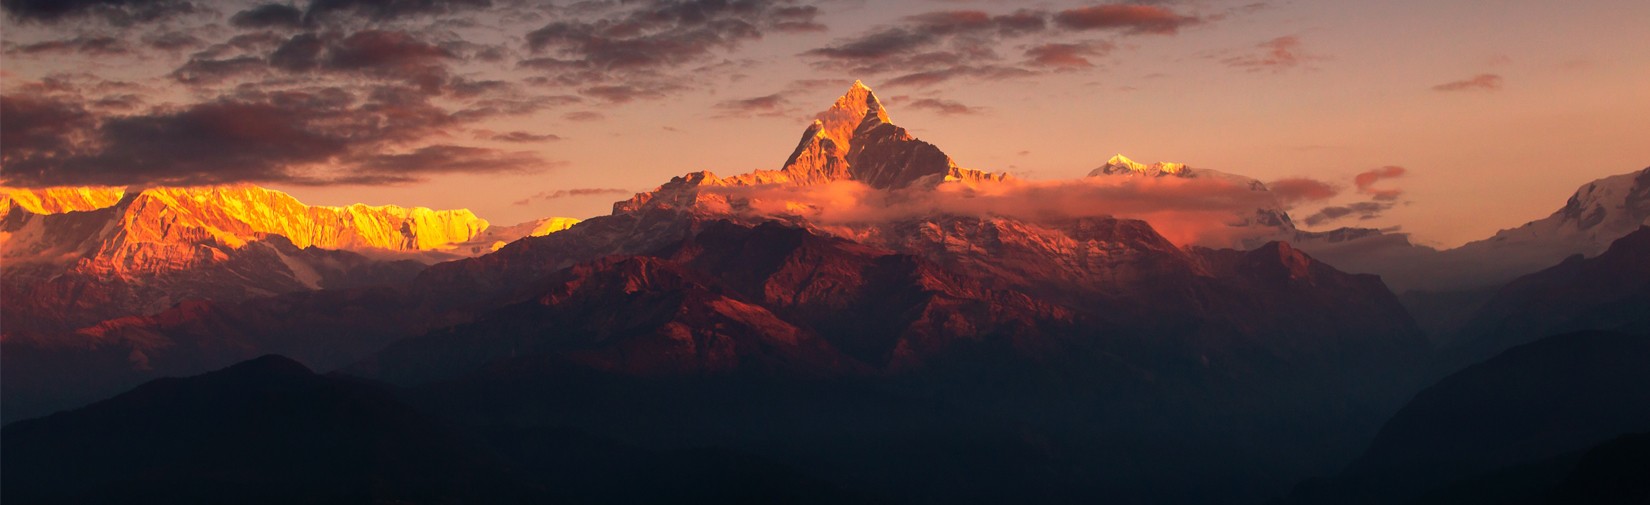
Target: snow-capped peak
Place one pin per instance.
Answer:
(1121, 164)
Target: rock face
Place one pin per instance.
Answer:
(854, 140)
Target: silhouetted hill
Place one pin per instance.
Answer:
(263, 431)
(1508, 427)
(1608, 292)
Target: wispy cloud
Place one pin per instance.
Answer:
(1480, 82)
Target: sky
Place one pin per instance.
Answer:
(1448, 120)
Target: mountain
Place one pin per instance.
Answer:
(854, 140)
(1264, 224)
(1610, 291)
(60, 199)
(93, 278)
(1594, 217)
(92, 254)
(1056, 359)
(1597, 214)
(497, 237)
(263, 431)
(1505, 427)
(161, 227)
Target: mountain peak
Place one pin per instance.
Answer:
(839, 122)
(1121, 164)
(853, 140)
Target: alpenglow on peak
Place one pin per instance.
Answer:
(1121, 164)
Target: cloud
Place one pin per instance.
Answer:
(934, 47)
(1187, 211)
(1361, 210)
(518, 136)
(1279, 54)
(38, 127)
(1067, 56)
(625, 93)
(439, 159)
(321, 136)
(1296, 190)
(1134, 19)
(387, 10)
(583, 116)
(932, 77)
(575, 192)
(115, 12)
(1366, 181)
(627, 46)
(268, 16)
(173, 41)
(87, 45)
(1480, 82)
(199, 71)
(767, 105)
(941, 106)
(389, 55)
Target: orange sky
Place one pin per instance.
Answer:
(1497, 110)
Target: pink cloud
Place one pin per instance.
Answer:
(1366, 182)
(1301, 189)
(1480, 82)
(1186, 211)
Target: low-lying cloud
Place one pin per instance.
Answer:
(1186, 211)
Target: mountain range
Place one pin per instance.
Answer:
(870, 322)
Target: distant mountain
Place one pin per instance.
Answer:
(1595, 216)
(495, 238)
(263, 431)
(1610, 291)
(83, 267)
(1505, 427)
(1267, 223)
(77, 256)
(59, 200)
